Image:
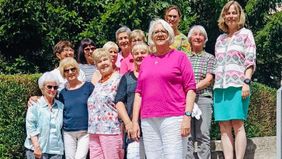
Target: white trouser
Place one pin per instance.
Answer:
(135, 150)
(76, 144)
(162, 138)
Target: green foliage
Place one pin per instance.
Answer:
(17, 66)
(269, 55)
(14, 92)
(29, 29)
(261, 115)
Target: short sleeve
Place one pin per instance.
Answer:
(211, 64)
(250, 51)
(121, 91)
(91, 87)
(188, 77)
(61, 97)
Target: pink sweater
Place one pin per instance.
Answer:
(163, 83)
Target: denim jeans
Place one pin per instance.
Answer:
(200, 131)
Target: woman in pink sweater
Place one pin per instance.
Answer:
(164, 96)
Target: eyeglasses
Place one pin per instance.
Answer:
(89, 49)
(50, 87)
(160, 31)
(68, 50)
(70, 69)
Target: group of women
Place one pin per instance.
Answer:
(134, 104)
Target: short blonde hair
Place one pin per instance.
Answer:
(110, 44)
(166, 26)
(142, 46)
(98, 54)
(239, 10)
(67, 62)
(137, 33)
(47, 77)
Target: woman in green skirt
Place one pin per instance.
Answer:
(235, 53)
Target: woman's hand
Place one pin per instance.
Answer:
(129, 128)
(245, 91)
(186, 126)
(32, 100)
(37, 152)
(135, 134)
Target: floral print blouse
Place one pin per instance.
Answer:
(102, 113)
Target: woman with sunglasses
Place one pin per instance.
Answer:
(85, 59)
(44, 121)
(75, 117)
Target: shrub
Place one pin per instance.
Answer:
(16, 89)
(14, 92)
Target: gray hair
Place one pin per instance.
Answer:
(166, 26)
(121, 30)
(202, 30)
(47, 77)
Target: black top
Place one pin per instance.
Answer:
(126, 91)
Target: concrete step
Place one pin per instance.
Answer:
(257, 148)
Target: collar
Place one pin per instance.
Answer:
(190, 53)
(43, 103)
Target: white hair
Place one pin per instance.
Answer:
(166, 26)
(47, 77)
(202, 31)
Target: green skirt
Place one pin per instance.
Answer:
(229, 104)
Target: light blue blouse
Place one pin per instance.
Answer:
(46, 124)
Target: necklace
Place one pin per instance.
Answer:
(105, 78)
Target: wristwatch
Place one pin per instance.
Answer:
(247, 81)
(188, 113)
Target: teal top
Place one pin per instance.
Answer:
(46, 124)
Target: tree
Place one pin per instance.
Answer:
(269, 53)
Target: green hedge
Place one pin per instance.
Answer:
(14, 93)
(15, 90)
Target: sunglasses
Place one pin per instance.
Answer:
(50, 87)
(89, 49)
(70, 69)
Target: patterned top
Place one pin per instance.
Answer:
(88, 69)
(202, 63)
(234, 55)
(103, 115)
(181, 43)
